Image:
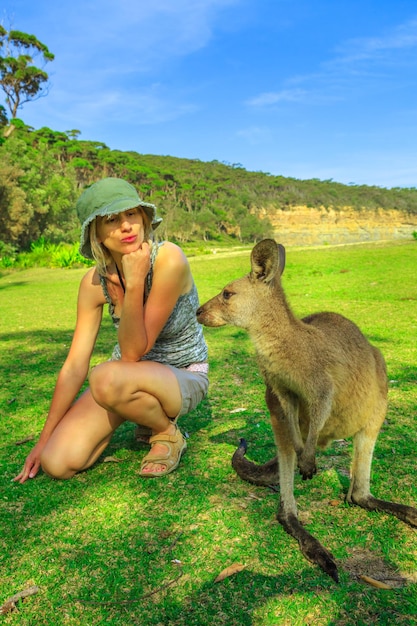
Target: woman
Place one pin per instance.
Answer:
(158, 371)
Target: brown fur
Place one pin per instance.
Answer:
(324, 381)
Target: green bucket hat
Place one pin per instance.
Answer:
(109, 196)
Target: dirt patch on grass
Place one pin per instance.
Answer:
(365, 563)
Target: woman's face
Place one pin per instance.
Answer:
(121, 233)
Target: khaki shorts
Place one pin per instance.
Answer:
(193, 386)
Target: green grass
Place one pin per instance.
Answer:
(104, 547)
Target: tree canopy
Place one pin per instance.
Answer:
(20, 79)
(42, 172)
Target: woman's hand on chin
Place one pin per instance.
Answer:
(137, 264)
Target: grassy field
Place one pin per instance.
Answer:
(109, 547)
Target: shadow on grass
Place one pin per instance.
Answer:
(250, 598)
(161, 594)
(13, 284)
(404, 373)
(30, 362)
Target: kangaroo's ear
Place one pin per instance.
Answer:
(281, 258)
(267, 260)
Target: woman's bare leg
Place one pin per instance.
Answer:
(145, 393)
(122, 387)
(79, 439)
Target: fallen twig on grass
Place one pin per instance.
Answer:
(10, 604)
(26, 439)
(375, 583)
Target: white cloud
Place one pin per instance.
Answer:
(152, 105)
(271, 97)
(113, 60)
(401, 38)
(142, 33)
(255, 135)
(354, 61)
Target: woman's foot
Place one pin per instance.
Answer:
(165, 454)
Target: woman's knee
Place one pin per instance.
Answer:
(54, 465)
(105, 384)
(112, 389)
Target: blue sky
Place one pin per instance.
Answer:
(309, 89)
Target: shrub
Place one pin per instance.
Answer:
(42, 253)
(64, 255)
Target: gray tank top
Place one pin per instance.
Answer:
(181, 342)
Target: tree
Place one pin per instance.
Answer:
(12, 201)
(19, 78)
(3, 116)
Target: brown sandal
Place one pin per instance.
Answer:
(176, 446)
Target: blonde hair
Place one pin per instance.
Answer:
(101, 254)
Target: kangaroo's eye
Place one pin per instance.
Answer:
(227, 294)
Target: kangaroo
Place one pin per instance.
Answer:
(324, 381)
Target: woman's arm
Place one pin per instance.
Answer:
(75, 368)
(141, 324)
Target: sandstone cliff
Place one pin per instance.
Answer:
(302, 225)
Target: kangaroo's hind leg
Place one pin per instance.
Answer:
(359, 491)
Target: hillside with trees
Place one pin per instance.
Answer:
(42, 172)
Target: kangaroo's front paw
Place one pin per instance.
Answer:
(307, 466)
